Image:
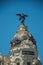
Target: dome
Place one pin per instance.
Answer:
(22, 34)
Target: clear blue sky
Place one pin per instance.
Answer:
(9, 22)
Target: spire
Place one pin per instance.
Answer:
(22, 17)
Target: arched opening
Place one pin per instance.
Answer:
(18, 61)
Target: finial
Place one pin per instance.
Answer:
(22, 17)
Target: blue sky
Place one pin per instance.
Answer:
(9, 22)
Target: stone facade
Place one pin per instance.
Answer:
(23, 49)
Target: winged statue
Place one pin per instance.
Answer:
(22, 17)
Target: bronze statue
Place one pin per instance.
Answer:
(22, 17)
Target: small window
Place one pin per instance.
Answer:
(24, 37)
(28, 63)
(18, 63)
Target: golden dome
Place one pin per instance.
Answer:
(22, 27)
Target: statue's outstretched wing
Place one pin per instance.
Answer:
(18, 14)
(26, 15)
